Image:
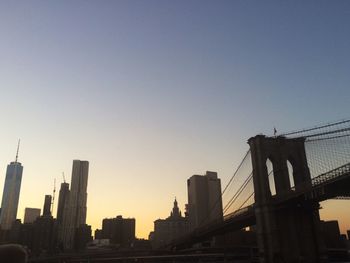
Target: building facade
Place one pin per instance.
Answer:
(44, 235)
(119, 230)
(10, 196)
(166, 230)
(30, 215)
(75, 203)
(64, 191)
(204, 199)
(82, 237)
(47, 205)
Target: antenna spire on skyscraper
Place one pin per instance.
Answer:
(19, 141)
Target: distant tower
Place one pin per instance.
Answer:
(176, 211)
(204, 199)
(166, 230)
(75, 208)
(10, 196)
(62, 198)
(47, 205)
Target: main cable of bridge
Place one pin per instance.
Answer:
(328, 148)
(237, 194)
(328, 125)
(236, 172)
(217, 202)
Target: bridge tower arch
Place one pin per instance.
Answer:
(287, 231)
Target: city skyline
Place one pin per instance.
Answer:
(153, 93)
(324, 216)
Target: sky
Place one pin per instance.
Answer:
(152, 92)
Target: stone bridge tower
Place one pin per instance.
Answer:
(287, 231)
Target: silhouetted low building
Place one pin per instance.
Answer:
(26, 235)
(30, 214)
(82, 237)
(15, 231)
(4, 236)
(331, 234)
(119, 230)
(44, 235)
(151, 236)
(166, 230)
(98, 234)
(142, 244)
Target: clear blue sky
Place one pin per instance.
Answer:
(151, 92)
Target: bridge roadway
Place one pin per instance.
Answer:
(237, 255)
(227, 255)
(333, 184)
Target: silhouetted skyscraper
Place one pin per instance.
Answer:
(75, 207)
(10, 196)
(47, 205)
(204, 199)
(63, 195)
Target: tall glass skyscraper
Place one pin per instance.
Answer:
(75, 203)
(10, 196)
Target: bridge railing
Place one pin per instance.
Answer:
(331, 175)
(239, 212)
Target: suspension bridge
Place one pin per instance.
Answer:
(278, 186)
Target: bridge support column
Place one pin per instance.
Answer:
(287, 228)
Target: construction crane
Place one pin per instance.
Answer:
(53, 195)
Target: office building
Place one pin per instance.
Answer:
(204, 199)
(82, 237)
(30, 215)
(47, 205)
(331, 234)
(75, 203)
(119, 230)
(10, 196)
(166, 230)
(64, 192)
(98, 234)
(44, 235)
